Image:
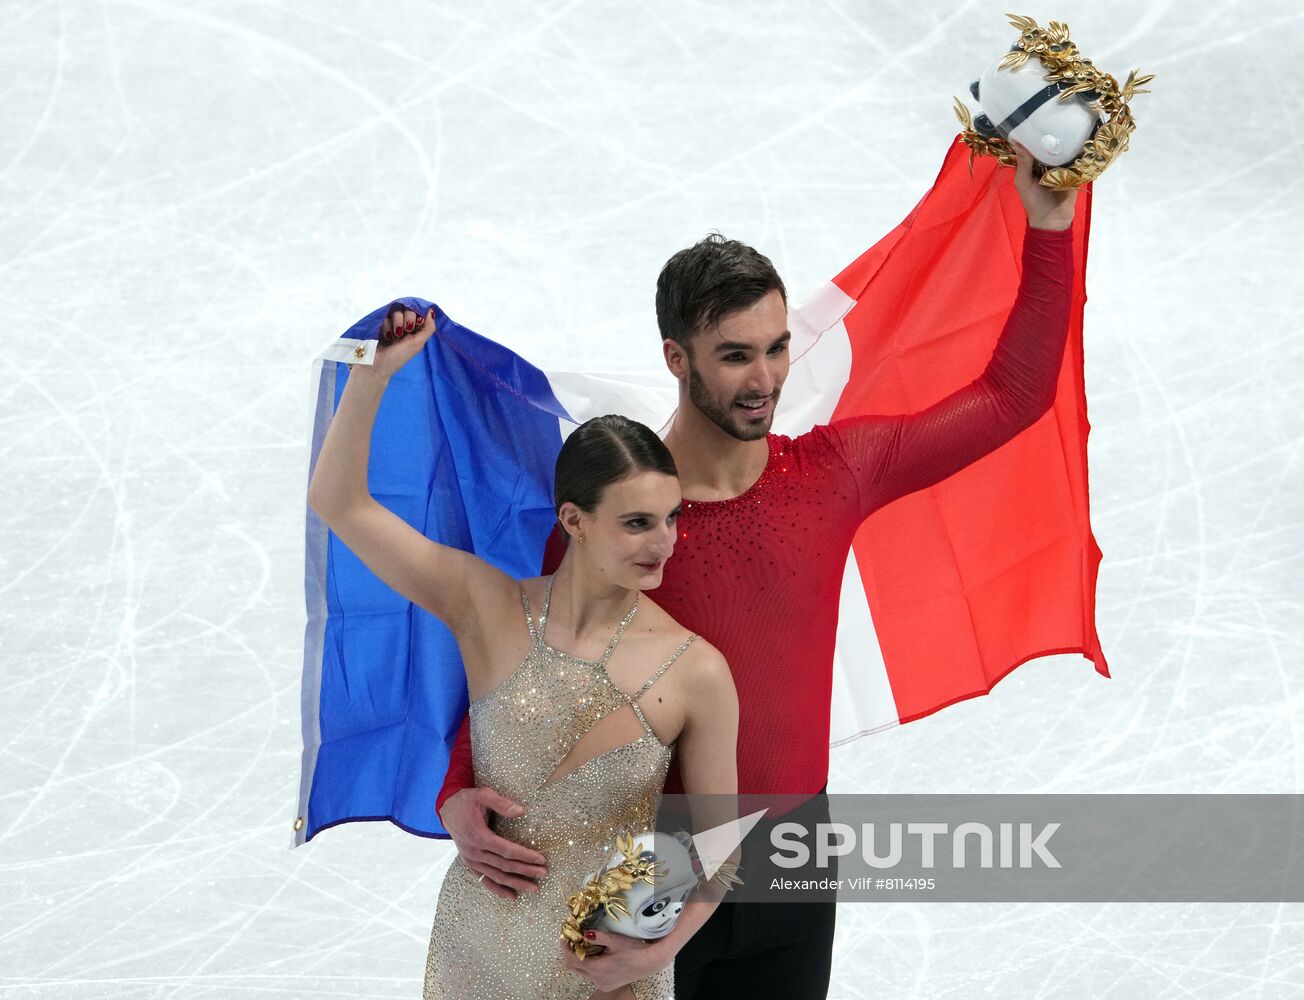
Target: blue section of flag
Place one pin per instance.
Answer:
(465, 442)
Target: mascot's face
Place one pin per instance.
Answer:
(736, 369)
(1019, 104)
(654, 909)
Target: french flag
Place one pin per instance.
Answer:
(468, 432)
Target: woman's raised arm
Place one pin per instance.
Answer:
(454, 586)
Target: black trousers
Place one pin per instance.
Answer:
(753, 951)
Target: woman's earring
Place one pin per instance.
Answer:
(581, 538)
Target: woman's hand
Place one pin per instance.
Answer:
(623, 960)
(466, 593)
(1047, 208)
(402, 335)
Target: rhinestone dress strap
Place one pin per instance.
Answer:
(615, 639)
(633, 698)
(620, 631)
(547, 603)
(529, 619)
(662, 669)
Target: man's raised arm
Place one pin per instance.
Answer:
(892, 456)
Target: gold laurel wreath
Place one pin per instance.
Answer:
(1064, 64)
(606, 891)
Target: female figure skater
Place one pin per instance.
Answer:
(574, 710)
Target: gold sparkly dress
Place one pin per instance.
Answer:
(521, 732)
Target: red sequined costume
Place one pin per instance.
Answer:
(759, 575)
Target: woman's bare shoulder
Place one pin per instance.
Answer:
(706, 667)
(536, 588)
(700, 655)
(656, 622)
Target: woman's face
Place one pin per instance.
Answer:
(631, 533)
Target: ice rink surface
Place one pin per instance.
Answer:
(196, 197)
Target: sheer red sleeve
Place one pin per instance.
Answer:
(553, 550)
(460, 772)
(892, 456)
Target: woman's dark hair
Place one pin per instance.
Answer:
(603, 451)
(714, 277)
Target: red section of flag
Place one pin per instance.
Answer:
(997, 564)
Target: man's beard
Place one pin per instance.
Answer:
(725, 416)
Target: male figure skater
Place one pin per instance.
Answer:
(766, 526)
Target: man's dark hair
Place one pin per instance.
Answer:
(714, 277)
(603, 451)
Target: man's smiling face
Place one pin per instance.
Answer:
(736, 369)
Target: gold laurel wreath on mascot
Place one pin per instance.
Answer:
(1076, 77)
(605, 893)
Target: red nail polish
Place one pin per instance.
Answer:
(590, 934)
(409, 327)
